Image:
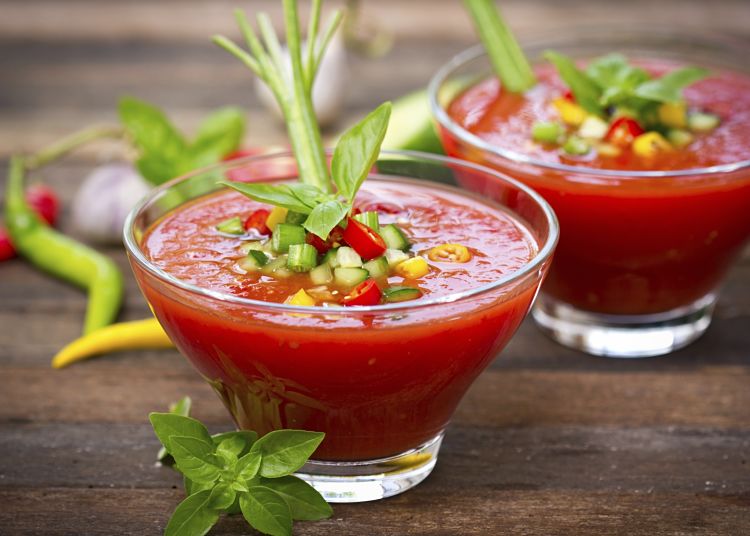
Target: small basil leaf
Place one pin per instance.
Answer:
(247, 466)
(218, 135)
(231, 445)
(325, 217)
(584, 89)
(357, 151)
(280, 195)
(167, 425)
(285, 451)
(195, 459)
(192, 516)
(304, 501)
(266, 511)
(182, 408)
(668, 88)
(194, 487)
(222, 497)
(247, 438)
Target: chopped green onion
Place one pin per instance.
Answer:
(302, 257)
(395, 256)
(576, 146)
(350, 277)
(394, 237)
(369, 218)
(377, 267)
(295, 218)
(231, 226)
(255, 260)
(703, 122)
(285, 235)
(547, 132)
(401, 293)
(508, 60)
(348, 258)
(321, 275)
(331, 258)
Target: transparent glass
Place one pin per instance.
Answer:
(642, 254)
(382, 382)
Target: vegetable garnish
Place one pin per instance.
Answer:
(235, 472)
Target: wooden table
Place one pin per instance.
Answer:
(548, 441)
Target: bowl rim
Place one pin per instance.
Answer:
(477, 51)
(543, 254)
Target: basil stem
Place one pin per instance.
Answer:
(508, 60)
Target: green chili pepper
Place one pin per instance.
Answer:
(62, 256)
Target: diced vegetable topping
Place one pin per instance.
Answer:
(231, 226)
(369, 218)
(576, 146)
(364, 240)
(547, 132)
(394, 237)
(285, 235)
(570, 113)
(366, 293)
(413, 268)
(257, 221)
(346, 257)
(321, 275)
(377, 267)
(254, 261)
(395, 256)
(301, 298)
(702, 122)
(449, 253)
(349, 277)
(401, 293)
(623, 131)
(302, 258)
(277, 216)
(650, 144)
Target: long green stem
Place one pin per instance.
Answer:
(70, 143)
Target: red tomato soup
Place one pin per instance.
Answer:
(377, 383)
(629, 245)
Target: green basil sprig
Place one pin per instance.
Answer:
(235, 472)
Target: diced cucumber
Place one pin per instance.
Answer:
(331, 258)
(254, 261)
(703, 122)
(576, 146)
(348, 258)
(394, 237)
(680, 138)
(302, 257)
(285, 235)
(321, 275)
(395, 256)
(546, 132)
(231, 226)
(295, 218)
(377, 267)
(277, 267)
(369, 218)
(350, 277)
(256, 245)
(401, 293)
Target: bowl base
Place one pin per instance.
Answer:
(350, 482)
(623, 336)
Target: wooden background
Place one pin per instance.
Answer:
(548, 441)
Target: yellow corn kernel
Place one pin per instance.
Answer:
(300, 298)
(650, 144)
(449, 253)
(673, 114)
(413, 268)
(570, 112)
(277, 216)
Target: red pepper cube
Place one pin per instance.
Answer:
(366, 242)
(366, 293)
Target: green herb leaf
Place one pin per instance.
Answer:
(615, 77)
(194, 487)
(241, 441)
(222, 496)
(585, 90)
(285, 451)
(668, 88)
(195, 459)
(305, 503)
(325, 217)
(357, 151)
(182, 408)
(288, 196)
(266, 511)
(193, 516)
(167, 425)
(249, 465)
(218, 135)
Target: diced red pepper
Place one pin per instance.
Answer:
(257, 220)
(623, 131)
(335, 237)
(366, 242)
(568, 96)
(7, 250)
(366, 293)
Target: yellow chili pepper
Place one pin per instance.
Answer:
(449, 253)
(413, 268)
(650, 144)
(135, 335)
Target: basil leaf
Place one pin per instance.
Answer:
(616, 78)
(192, 516)
(304, 501)
(222, 497)
(196, 459)
(584, 89)
(162, 148)
(194, 487)
(247, 466)
(242, 440)
(218, 135)
(266, 511)
(182, 408)
(285, 451)
(668, 88)
(280, 195)
(357, 151)
(167, 425)
(325, 217)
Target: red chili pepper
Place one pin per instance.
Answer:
(623, 131)
(257, 220)
(335, 237)
(366, 293)
(44, 202)
(366, 242)
(7, 250)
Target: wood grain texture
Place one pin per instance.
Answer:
(547, 441)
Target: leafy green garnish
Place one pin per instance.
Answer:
(235, 471)
(669, 87)
(357, 149)
(586, 92)
(165, 153)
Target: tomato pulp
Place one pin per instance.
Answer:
(378, 383)
(629, 245)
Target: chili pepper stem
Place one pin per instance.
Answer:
(71, 142)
